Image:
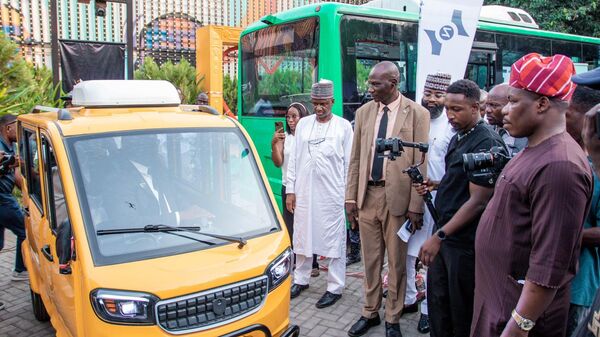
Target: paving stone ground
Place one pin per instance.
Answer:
(17, 318)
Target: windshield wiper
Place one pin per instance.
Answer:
(164, 228)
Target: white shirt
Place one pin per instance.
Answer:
(288, 150)
(440, 134)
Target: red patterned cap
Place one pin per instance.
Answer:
(547, 76)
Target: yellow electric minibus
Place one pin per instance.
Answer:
(147, 218)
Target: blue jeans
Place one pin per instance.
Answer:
(11, 217)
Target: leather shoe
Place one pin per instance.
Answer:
(409, 309)
(328, 299)
(392, 330)
(363, 325)
(423, 326)
(297, 289)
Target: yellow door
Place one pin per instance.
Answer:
(33, 206)
(62, 293)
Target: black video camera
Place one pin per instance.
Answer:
(6, 162)
(395, 146)
(486, 163)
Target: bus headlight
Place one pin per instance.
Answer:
(279, 269)
(128, 307)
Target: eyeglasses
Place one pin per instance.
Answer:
(428, 94)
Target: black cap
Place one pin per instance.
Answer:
(589, 79)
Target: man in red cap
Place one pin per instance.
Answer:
(529, 236)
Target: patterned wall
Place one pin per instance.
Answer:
(165, 29)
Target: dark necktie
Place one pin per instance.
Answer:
(377, 172)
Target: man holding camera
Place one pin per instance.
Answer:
(379, 196)
(461, 198)
(529, 237)
(11, 216)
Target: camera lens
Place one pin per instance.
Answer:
(477, 161)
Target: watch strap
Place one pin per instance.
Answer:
(522, 322)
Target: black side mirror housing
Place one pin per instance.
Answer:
(64, 247)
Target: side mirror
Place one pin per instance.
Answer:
(65, 247)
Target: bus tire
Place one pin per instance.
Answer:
(39, 310)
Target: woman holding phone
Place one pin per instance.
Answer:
(282, 145)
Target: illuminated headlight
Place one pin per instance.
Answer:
(126, 307)
(279, 269)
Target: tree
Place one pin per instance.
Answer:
(22, 85)
(230, 93)
(182, 75)
(580, 17)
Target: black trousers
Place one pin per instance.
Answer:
(450, 291)
(288, 218)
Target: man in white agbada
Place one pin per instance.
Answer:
(440, 133)
(315, 188)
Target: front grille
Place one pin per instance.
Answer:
(213, 307)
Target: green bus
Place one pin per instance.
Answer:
(281, 55)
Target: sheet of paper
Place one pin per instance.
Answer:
(404, 233)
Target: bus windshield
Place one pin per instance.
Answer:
(279, 66)
(201, 178)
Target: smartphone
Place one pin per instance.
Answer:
(279, 127)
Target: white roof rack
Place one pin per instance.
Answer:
(105, 93)
(507, 15)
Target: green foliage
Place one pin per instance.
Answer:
(580, 17)
(22, 85)
(230, 93)
(182, 75)
(362, 76)
(284, 82)
(14, 71)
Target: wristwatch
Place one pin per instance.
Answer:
(441, 235)
(522, 322)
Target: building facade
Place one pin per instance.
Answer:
(164, 29)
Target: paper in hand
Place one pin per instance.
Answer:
(404, 233)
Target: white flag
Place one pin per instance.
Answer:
(446, 32)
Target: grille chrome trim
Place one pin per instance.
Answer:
(207, 292)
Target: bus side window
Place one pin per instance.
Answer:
(368, 41)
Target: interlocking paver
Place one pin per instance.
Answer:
(17, 318)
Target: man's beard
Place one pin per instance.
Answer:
(434, 111)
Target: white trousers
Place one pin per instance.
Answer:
(336, 276)
(411, 288)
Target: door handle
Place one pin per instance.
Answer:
(26, 210)
(47, 254)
